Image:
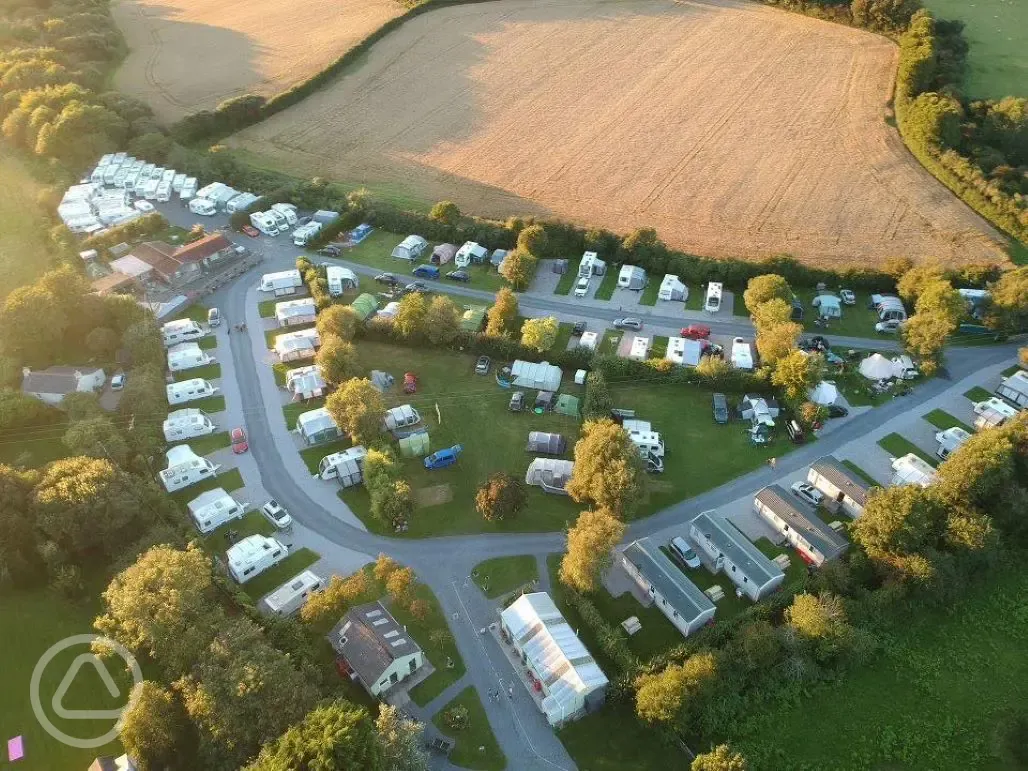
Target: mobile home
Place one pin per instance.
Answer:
(212, 509)
(712, 302)
(181, 331)
(844, 490)
(733, 554)
(189, 390)
(815, 541)
(292, 595)
(187, 424)
(285, 281)
(253, 555)
(346, 466)
(686, 607)
(187, 356)
(185, 468)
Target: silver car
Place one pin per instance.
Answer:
(808, 493)
(628, 323)
(682, 553)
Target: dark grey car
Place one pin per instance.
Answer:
(720, 408)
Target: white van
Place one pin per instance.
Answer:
(185, 468)
(212, 509)
(187, 424)
(253, 555)
(187, 356)
(201, 206)
(712, 303)
(181, 331)
(582, 287)
(292, 595)
(190, 390)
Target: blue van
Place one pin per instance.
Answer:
(426, 271)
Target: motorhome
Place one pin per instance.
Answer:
(185, 468)
(202, 206)
(712, 303)
(288, 211)
(292, 595)
(950, 441)
(187, 424)
(265, 222)
(168, 176)
(253, 555)
(340, 279)
(346, 466)
(283, 282)
(150, 189)
(187, 356)
(181, 331)
(189, 390)
(212, 509)
(188, 189)
(178, 182)
(241, 202)
(163, 192)
(742, 354)
(306, 233)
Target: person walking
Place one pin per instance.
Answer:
(772, 462)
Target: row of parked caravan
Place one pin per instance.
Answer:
(181, 338)
(142, 179)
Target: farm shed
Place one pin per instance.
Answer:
(305, 382)
(844, 489)
(546, 444)
(812, 538)
(317, 426)
(469, 253)
(732, 553)
(828, 306)
(683, 351)
(1015, 389)
(678, 598)
(640, 348)
(380, 653)
(473, 318)
(671, 288)
(911, 469)
(365, 306)
(293, 346)
(551, 474)
(415, 445)
(443, 254)
(293, 313)
(632, 277)
(571, 681)
(340, 279)
(588, 340)
(540, 375)
(410, 248)
(567, 405)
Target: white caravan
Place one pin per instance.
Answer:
(742, 354)
(187, 356)
(188, 190)
(190, 390)
(288, 212)
(202, 206)
(163, 192)
(712, 303)
(185, 468)
(212, 509)
(346, 466)
(291, 596)
(181, 331)
(950, 440)
(282, 282)
(306, 233)
(187, 424)
(340, 279)
(253, 555)
(400, 417)
(266, 222)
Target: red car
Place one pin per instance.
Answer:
(251, 231)
(238, 437)
(410, 383)
(696, 332)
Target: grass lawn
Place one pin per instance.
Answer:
(607, 285)
(978, 394)
(274, 577)
(252, 523)
(921, 698)
(649, 294)
(473, 411)
(500, 575)
(657, 633)
(860, 473)
(694, 302)
(563, 336)
(44, 446)
(796, 573)
(312, 455)
(659, 347)
(738, 303)
(566, 282)
(857, 320)
(943, 420)
(898, 446)
(207, 372)
(440, 649)
(229, 480)
(466, 752)
(609, 343)
(271, 334)
(208, 343)
(23, 243)
(614, 739)
(1011, 370)
(202, 445)
(197, 313)
(209, 404)
(266, 308)
(293, 410)
(727, 607)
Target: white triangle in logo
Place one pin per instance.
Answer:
(85, 714)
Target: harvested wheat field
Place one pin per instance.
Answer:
(732, 128)
(188, 55)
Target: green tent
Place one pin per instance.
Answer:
(567, 405)
(473, 318)
(364, 306)
(415, 445)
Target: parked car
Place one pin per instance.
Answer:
(330, 251)
(239, 444)
(410, 383)
(214, 317)
(795, 431)
(696, 332)
(837, 411)
(582, 287)
(118, 382)
(815, 344)
(888, 327)
(808, 493)
(276, 515)
(628, 323)
(303, 221)
(720, 408)
(251, 231)
(482, 365)
(144, 206)
(459, 275)
(682, 553)
(416, 286)
(387, 278)
(848, 296)
(517, 401)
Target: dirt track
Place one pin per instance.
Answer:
(188, 55)
(733, 129)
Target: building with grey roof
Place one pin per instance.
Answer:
(678, 598)
(845, 490)
(812, 538)
(378, 651)
(733, 554)
(51, 385)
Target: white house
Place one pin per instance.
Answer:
(181, 331)
(346, 466)
(640, 348)
(284, 281)
(253, 555)
(185, 356)
(294, 346)
(557, 662)
(911, 469)
(187, 424)
(189, 390)
(410, 248)
(305, 382)
(212, 509)
(291, 313)
(1015, 389)
(844, 489)
(185, 468)
(340, 279)
(291, 596)
(631, 277)
(541, 375)
(377, 650)
(678, 598)
(732, 553)
(672, 288)
(815, 541)
(683, 351)
(51, 385)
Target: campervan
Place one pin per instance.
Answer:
(181, 331)
(742, 354)
(712, 303)
(253, 555)
(291, 596)
(189, 390)
(950, 441)
(187, 424)
(241, 202)
(306, 233)
(202, 206)
(185, 468)
(212, 509)
(288, 212)
(187, 356)
(346, 466)
(283, 282)
(178, 182)
(644, 437)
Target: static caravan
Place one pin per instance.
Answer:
(291, 313)
(591, 265)
(181, 331)
(632, 277)
(911, 469)
(291, 595)
(733, 554)
(712, 302)
(844, 489)
(589, 340)
(742, 354)
(950, 440)
(283, 282)
(203, 207)
(401, 417)
(317, 426)
(185, 468)
(346, 466)
(187, 424)
(340, 279)
(1015, 389)
(306, 233)
(294, 346)
(469, 253)
(187, 356)
(672, 288)
(410, 248)
(189, 390)
(815, 541)
(253, 555)
(640, 349)
(212, 509)
(686, 607)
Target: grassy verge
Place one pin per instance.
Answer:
(614, 739)
(476, 746)
(209, 404)
(566, 282)
(294, 410)
(649, 294)
(943, 420)
(500, 575)
(609, 344)
(861, 473)
(738, 303)
(253, 523)
(1011, 370)
(898, 446)
(978, 394)
(607, 285)
(202, 445)
(230, 480)
(266, 308)
(197, 313)
(312, 455)
(659, 347)
(207, 372)
(208, 343)
(563, 336)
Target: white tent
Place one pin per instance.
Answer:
(824, 393)
(876, 367)
(541, 375)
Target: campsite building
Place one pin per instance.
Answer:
(539, 375)
(551, 474)
(294, 346)
(911, 469)
(813, 539)
(178, 265)
(52, 384)
(683, 351)
(316, 426)
(378, 652)
(305, 383)
(632, 277)
(844, 489)
(340, 279)
(293, 313)
(410, 248)
(672, 288)
(1015, 389)
(557, 663)
(733, 554)
(678, 598)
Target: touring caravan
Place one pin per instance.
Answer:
(632, 277)
(306, 233)
(187, 424)
(340, 279)
(189, 390)
(163, 192)
(212, 509)
(950, 440)
(742, 354)
(202, 206)
(291, 595)
(187, 356)
(888, 307)
(591, 265)
(712, 303)
(283, 282)
(468, 253)
(288, 212)
(672, 288)
(291, 313)
(910, 469)
(185, 468)
(266, 222)
(346, 466)
(241, 202)
(253, 555)
(181, 331)
(188, 189)
(178, 182)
